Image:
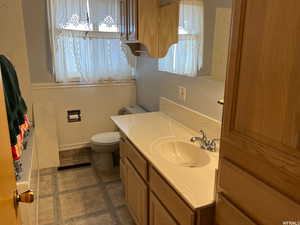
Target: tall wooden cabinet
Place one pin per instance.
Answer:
(129, 20)
(132, 20)
(123, 19)
(259, 172)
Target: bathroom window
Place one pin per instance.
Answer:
(186, 57)
(85, 41)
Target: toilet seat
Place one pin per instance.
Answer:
(106, 138)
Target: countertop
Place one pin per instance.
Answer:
(195, 185)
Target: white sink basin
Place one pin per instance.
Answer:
(181, 153)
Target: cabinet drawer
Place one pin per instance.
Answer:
(170, 199)
(228, 214)
(158, 214)
(138, 161)
(247, 192)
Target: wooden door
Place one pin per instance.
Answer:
(132, 19)
(8, 208)
(137, 195)
(158, 214)
(13, 46)
(260, 143)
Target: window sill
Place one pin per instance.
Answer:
(37, 86)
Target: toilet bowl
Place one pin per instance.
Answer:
(105, 145)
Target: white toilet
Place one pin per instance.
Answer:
(104, 145)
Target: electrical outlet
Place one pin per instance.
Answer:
(181, 93)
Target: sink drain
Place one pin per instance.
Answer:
(191, 165)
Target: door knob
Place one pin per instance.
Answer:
(26, 197)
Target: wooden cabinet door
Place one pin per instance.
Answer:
(158, 214)
(261, 121)
(123, 175)
(123, 20)
(13, 46)
(123, 148)
(8, 209)
(137, 195)
(123, 171)
(132, 6)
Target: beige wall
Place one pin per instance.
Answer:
(202, 91)
(35, 19)
(13, 43)
(96, 102)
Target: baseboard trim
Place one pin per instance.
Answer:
(67, 147)
(74, 166)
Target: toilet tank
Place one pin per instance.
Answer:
(132, 109)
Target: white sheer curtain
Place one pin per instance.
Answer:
(186, 57)
(85, 41)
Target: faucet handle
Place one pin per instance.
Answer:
(214, 144)
(203, 135)
(216, 140)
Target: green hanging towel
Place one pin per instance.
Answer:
(15, 104)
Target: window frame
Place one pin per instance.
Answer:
(57, 31)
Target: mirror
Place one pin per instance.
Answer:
(202, 73)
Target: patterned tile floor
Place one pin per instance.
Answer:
(80, 197)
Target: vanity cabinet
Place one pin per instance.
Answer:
(150, 198)
(170, 199)
(149, 24)
(137, 195)
(135, 188)
(123, 172)
(158, 215)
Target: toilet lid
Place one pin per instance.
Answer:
(106, 138)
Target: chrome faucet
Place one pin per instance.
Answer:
(205, 142)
